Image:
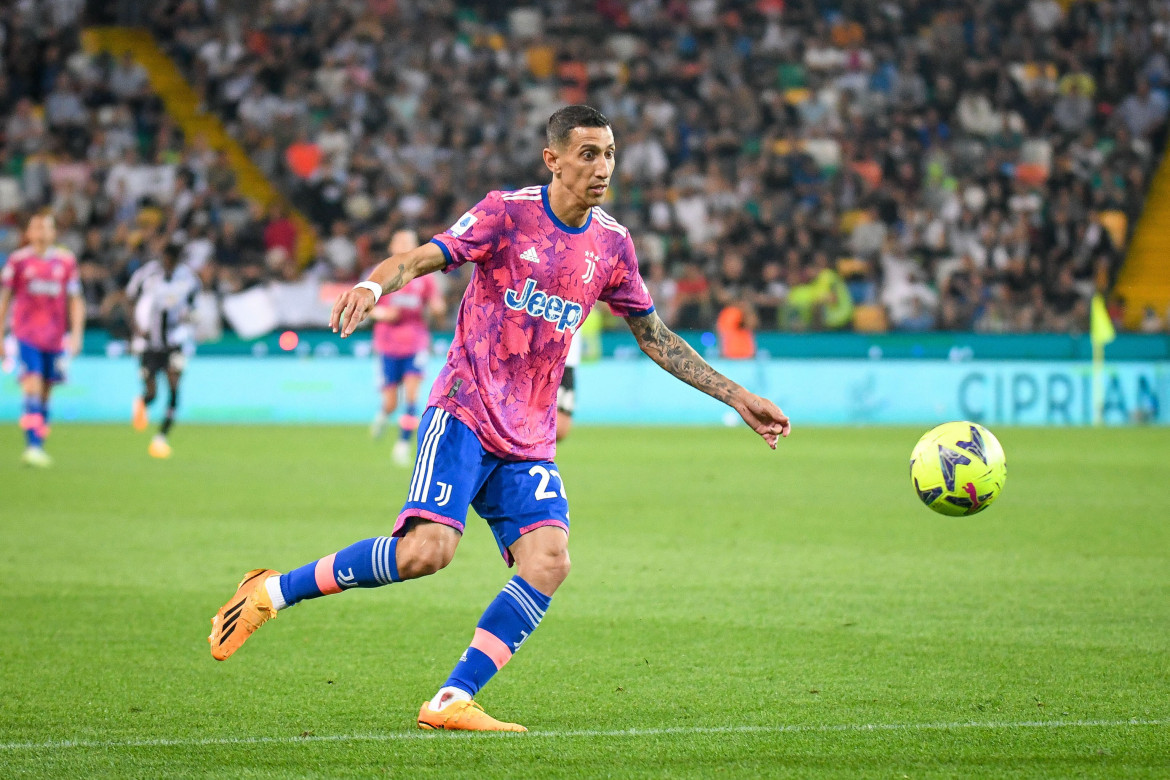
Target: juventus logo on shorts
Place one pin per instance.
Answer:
(444, 494)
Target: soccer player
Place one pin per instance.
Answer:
(41, 283)
(401, 340)
(543, 256)
(162, 294)
(567, 389)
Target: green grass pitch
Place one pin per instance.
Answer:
(744, 612)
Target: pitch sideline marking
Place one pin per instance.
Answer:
(651, 732)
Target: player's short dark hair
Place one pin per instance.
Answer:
(562, 122)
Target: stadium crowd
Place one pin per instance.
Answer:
(812, 165)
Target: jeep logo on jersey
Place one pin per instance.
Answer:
(44, 287)
(554, 308)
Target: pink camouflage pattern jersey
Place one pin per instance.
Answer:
(41, 286)
(408, 335)
(535, 281)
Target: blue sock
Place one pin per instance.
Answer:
(409, 415)
(33, 421)
(369, 563)
(509, 620)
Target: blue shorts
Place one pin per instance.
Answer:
(453, 471)
(394, 368)
(47, 365)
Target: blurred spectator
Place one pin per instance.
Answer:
(340, 252)
(761, 150)
(693, 299)
(734, 328)
(1151, 322)
(1144, 112)
(129, 81)
(280, 231)
(834, 307)
(663, 291)
(769, 300)
(915, 318)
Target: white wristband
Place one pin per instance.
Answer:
(373, 287)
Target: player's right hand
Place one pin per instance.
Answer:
(351, 308)
(763, 417)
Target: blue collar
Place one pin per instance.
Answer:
(556, 220)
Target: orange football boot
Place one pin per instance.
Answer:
(245, 612)
(139, 419)
(462, 716)
(159, 448)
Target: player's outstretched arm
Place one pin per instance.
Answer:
(668, 350)
(354, 305)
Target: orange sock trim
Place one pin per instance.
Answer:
(492, 646)
(32, 422)
(323, 573)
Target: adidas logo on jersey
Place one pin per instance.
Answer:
(530, 255)
(554, 308)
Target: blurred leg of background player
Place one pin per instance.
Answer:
(150, 368)
(566, 402)
(39, 371)
(567, 390)
(159, 446)
(153, 361)
(408, 420)
(395, 371)
(389, 399)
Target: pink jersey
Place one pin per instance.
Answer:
(408, 334)
(534, 282)
(41, 286)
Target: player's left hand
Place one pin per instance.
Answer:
(75, 341)
(763, 417)
(351, 308)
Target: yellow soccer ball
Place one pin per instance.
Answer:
(958, 468)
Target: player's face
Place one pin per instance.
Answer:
(586, 163)
(41, 231)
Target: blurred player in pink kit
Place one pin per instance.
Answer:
(402, 342)
(542, 257)
(41, 283)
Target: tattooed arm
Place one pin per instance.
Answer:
(354, 305)
(668, 350)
